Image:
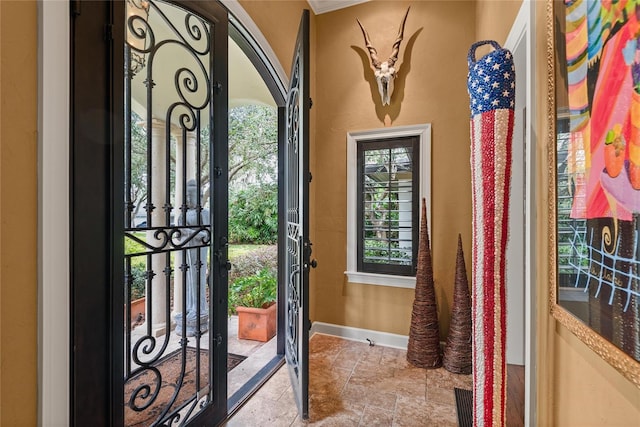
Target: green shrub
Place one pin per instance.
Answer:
(132, 247)
(253, 215)
(253, 261)
(139, 273)
(256, 291)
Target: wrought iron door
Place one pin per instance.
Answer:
(298, 246)
(175, 210)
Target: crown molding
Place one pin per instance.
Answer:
(324, 6)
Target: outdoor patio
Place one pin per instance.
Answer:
(257, 353)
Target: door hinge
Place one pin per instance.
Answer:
(108, 32)
(75, 7)
(310, 103)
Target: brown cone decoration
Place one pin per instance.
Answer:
(423, 350)
(458, 352)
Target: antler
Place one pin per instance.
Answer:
(385, 72)
(373, 53)
(396, 45)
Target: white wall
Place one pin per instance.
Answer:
(515, 257)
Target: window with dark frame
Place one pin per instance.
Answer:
(388, 205)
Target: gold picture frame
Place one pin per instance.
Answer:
(577, 316)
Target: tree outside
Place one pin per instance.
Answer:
(253, 154)
(253, 189)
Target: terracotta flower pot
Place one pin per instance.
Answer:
(258, 324)
(137, 307)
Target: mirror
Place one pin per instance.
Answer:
(594, 175)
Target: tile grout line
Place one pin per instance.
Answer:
(349, 379)
(353, 369)
(395, 408)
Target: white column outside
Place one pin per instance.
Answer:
(158, 301)
(178, 201)
(191, 156)
(178, 279)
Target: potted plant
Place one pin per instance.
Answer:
(138, 301)
(253, 299)
(137, 304)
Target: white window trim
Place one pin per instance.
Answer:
(423, 132)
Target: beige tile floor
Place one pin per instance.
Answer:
(354, 384)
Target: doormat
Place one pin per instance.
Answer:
(234, 360)
(464, 407)
(169, 369)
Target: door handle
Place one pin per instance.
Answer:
(307, 255)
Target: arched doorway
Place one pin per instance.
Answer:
(149, 209)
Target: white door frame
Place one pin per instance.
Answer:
(516, 262)
(53, 212)
(523, 31)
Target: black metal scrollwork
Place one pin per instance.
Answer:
(144, 392)
(293, 222)
(157, 30)
(171, 239)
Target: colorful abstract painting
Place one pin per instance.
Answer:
(598, 166)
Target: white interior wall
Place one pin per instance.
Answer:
(521, 41)
(515, 279)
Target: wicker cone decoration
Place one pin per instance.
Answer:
(423, 350)
(458, 356)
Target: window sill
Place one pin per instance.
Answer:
(381, 279)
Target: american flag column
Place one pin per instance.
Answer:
(491, 86)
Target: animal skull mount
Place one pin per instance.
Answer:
(385, 72)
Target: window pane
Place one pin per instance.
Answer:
(387, 204)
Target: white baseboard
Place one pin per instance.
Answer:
(356, 334)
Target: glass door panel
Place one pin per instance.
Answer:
(298, 246)
(175, 252)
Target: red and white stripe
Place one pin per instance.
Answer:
(491, 138)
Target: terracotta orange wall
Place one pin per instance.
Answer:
(431, 89)
(575, 386)
(494, 18)
(18, 204)
(278, 21)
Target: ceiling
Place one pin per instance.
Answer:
(246, 86)
(323, 6)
